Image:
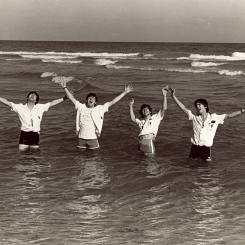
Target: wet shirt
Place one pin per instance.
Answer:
(150, 125)
(30, 120)
(204, 131)
(87, 125)
(89, 121)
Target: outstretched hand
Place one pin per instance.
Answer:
(165, 90)
(128, 89)
(131, 102)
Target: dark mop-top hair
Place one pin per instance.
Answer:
(92, 95)
(143, 107)
(33, 92)
(203, 102)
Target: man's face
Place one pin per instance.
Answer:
(146, 111)
(91, 101)
(32, 97)
(200, 108)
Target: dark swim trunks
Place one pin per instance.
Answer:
(202, 152)
(87, 143)
(29, 138)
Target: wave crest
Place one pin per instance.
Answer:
(205, 64)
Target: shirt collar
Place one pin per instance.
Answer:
(26, 107)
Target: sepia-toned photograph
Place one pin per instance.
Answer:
(122, 122)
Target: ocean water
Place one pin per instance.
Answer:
(115, 195)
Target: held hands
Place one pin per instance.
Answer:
(128, 89)
(165, 90)
(172, 91)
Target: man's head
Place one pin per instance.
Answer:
(33, 96)
(202, 102)
(91, 100)
(145, 110)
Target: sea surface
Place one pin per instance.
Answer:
(114, 195)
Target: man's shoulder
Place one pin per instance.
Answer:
(41, 105)
(19, 105)
(79, 104)
(103, 107)
(214, 115)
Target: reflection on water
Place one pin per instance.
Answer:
(30, 164)
(151, 166)
(208, 201)
(94, 198)
(92, 172)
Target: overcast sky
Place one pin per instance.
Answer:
(123, 20)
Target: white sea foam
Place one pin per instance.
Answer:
(48, 74)
(212, 57)
(34, 55)
(239, 55)
(41, 56)
(62, 61)
(103, 62)
(221, 72)
(148, 55)
(185, 70)
(148, 69)
(118, 67)
(230, 73)
(205, 64)
(236, 56)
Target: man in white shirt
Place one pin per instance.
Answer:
(90, 116)
(204, 126)
(30, 115)
(149, 125)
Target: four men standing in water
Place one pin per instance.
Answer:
(90, 116)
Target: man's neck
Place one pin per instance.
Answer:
(89, 106)
(204, 114)
(30, 105)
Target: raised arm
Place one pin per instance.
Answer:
(164, 102)
(131, 110)
(234, 114)
(180, 105)
(128, 89)
(6, 102)
(56, 102)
